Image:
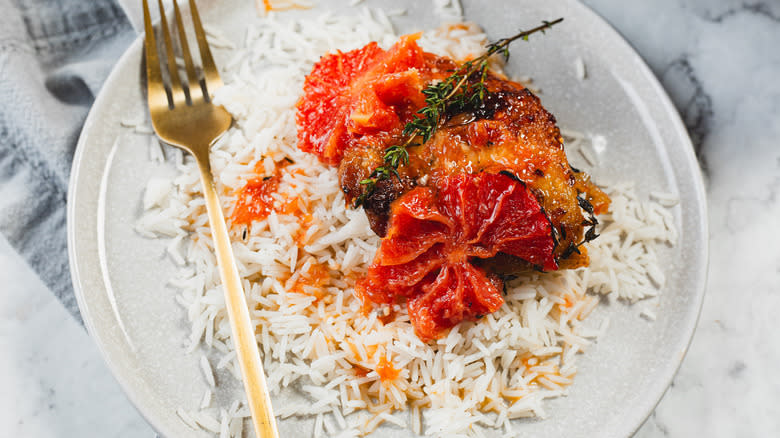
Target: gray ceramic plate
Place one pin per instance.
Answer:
(120, 277)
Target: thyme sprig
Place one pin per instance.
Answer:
(464, 88)
(590, 234)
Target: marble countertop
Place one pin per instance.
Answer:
(720, 62)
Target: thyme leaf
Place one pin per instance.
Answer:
(590, 234)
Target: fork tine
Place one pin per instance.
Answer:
(196, 93)
(156, 95)
(177, 93)
(213, 81)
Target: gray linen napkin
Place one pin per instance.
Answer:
(54, 56)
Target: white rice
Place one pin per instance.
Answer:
(155, 149)
(648, 314)
(320, 350)
(208, 373)
(579, 68)
(205, 402)
(187, 419)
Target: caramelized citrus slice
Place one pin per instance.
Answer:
(435, 236)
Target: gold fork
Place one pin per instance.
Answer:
(187, 119)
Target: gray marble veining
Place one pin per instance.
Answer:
(719, 61)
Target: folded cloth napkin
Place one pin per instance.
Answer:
(54, 56)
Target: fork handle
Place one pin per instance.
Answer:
(243, 332)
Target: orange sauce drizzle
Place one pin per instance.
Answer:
(268, 7)
(316, 278)
(386, 370)
(256, 200)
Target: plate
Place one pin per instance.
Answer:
(120, 278)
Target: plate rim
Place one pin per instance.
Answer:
(660, 386)
(654, 391)
(75, 275)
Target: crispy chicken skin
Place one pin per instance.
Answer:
(511, 132)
